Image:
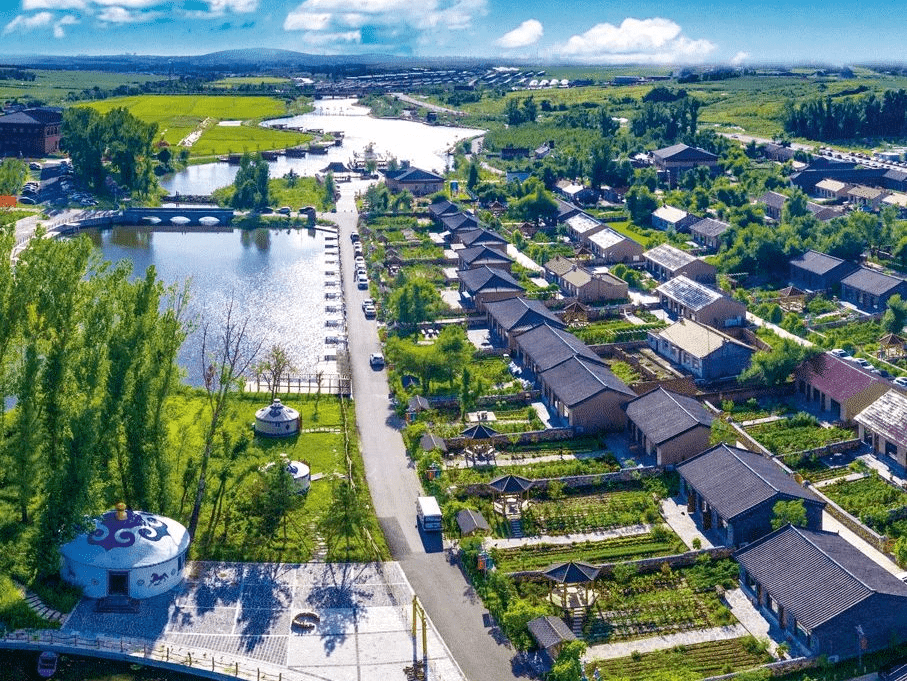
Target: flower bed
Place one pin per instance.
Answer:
(660, 542)
(662, 602)
(685, 662)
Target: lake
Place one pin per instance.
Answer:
(276, 279)
(425, 146)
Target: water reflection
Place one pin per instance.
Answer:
(425, 145)
(275, 279)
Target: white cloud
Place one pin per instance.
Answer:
(120, 15)
(24, 23)
(219, 7)
(404, 20)
(128, 4)
(523, 35)
(29, 5)
(62, 23)
(306, 21)
(654, 40)
(321, 39)
(739, 58)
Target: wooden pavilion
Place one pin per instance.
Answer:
(511, 495)
(570, 587)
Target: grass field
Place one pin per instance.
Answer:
(235, 81)
(53, 87)
(179, 115)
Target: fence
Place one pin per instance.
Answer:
(326, 384)
(198, 662)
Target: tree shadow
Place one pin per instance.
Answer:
(267, 595)
(337, 599)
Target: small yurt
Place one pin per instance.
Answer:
(278, 420)
(129, 553)
(302, 476)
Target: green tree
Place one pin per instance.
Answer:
(272, 498)
(330, 190)
(789, 512)
(772, 367)
(345, 519)
(895, 315)
(516, 618)
(275, 366)
(537, 207)
(569, 663)
(641, 203)
(251, 183)
(13, 172)
(472, 176)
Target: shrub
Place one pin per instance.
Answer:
(624, 572)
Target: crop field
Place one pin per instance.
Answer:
(662, 542)
(685, 663)
(235, 81)
(179, 115)
(870, 499)
(53, 87)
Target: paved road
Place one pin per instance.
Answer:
(459, 616)
(426, 105)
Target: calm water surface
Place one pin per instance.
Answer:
(424, 145)
(276, 278)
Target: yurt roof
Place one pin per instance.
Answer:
(139, 539)
(298, 469)
(277, 412)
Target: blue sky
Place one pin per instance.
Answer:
(602, 32)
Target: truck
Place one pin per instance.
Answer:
(428, 514)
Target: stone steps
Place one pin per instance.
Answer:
(37, 606)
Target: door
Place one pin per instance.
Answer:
(118, 583)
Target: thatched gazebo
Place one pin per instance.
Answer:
(891, 346)
(570, 585)
(511, 493)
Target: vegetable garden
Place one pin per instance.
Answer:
(590, 513)
(663, 602)
(796, 434)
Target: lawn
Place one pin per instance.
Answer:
(232, 536)
(54, 87)
(663, 602)
(178, 115)
(789, 435)
(661, 542)
(684, 663)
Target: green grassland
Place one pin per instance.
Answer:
(53, 87)
(235, 81)
(178, 115)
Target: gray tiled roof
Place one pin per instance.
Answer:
(481, 236)
(691, 294)
(519, 312)
(734, 480)
(460, 221)
(576, 380)
(486, 280)
(815, 575)
(412, 174)
(469, 521)
(548, 347)
(574, 572)
(870, 281)
(607, 238)
(549, 631)
(710, 227)
(669, 256)
(683, 152)
(887, 416)
(818, 263)
(662, 414)
(772, 199)
(482, 254)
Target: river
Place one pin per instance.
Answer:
(425, 146)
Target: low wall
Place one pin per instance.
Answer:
(832, 448)
(744, 393)
(526, 438)
(575, 481)
(780, 668)
(643, 565)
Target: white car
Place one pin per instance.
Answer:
(838, 352)
(362, 281)
(376, 360)
(901, 381)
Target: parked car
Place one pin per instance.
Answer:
(354, 236)
(901, 381)
(362, 281)
(368, 308)
(376, 360)
(284, 210)
(838, 352)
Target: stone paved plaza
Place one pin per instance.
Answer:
(245, 612)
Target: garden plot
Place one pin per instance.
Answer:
(871, 499)
(664, 602)
(592, 512)
(796, 434)
(696, 661)
(815, 468)
(660, 541)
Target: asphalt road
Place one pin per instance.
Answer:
(457, 613)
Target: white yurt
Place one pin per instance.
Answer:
(129, 553)
(302, 475)
(277, 420)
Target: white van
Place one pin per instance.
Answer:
(428, 514)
